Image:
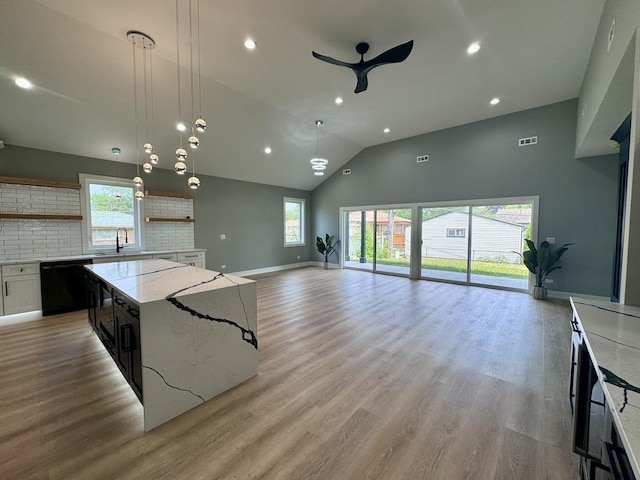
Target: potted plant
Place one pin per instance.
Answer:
(326, 247)
(541, 262)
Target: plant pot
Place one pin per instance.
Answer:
(539, 293)
(326, 265)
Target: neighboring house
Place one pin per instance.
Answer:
(383, 218)
(521, 216)
(104, 226)
(447, 236)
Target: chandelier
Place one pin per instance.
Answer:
(318, 165)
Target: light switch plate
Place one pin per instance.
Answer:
(223, 236)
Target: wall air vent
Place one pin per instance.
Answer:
(422, 158)
(523, 142)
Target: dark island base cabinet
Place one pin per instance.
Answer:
(116, 322)
(100, 311)
(595, 436)
(126, 319)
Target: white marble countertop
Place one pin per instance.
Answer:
(128, 253)
(612, 333)
(147, 281)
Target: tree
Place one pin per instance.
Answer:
(107, 201)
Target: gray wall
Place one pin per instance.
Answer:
(249, 214)
(482, 160)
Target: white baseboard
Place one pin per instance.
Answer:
(566, 295)
(275, 268)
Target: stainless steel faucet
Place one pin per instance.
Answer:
(126, 239)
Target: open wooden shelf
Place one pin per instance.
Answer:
(39, 216)
(169, 194)
(174, 220)
(40, 183)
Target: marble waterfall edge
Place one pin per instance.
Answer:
(196, 347)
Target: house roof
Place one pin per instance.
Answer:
(111, 220)
(476, 216)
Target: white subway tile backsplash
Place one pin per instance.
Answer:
(32, 239)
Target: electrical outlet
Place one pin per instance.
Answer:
(422, 158)
(223, 236)
(346, 171)
(551, 240)
(548, 280)
(223, 266)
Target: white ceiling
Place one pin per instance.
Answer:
(76, 53)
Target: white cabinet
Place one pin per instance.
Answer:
(173, 257)
(21, 288)
(195, 259)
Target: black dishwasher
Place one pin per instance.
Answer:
(63, 286)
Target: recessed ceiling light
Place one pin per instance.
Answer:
(23, 83)
(267, 150)
(181, 127)
(339, 100)
(473, 48)
(495, 101)
(250, 44)
(386, 130)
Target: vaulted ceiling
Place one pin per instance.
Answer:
(77, 55)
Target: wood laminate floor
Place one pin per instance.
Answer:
(361, 376)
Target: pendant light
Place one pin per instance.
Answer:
(193, 182)
(145, 43)
(181, 154)
(133, 37)
(318, 165)
(199, 125)
(116, 151)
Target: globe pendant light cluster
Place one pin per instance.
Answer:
(199, 125)
(145, 43)
(318, 165)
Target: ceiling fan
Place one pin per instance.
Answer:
(361, 69)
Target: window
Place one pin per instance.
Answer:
(455, 232)
(293, 222)
(109, 209)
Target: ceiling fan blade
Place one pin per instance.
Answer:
(363, 82)
(393, 55)
(333, 61)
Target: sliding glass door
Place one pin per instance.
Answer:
(498, 233)
(376, 240)
(445, 243)
(391, 254)
(358, 240)
(470, 242)
(476, 243)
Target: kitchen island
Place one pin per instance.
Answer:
(610, 335)
(180, 334)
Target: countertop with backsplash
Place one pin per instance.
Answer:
(105, 255)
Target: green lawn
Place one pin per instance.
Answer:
(494, 269)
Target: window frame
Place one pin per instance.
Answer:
(455, 231)
(86, 180)
(302, 227)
